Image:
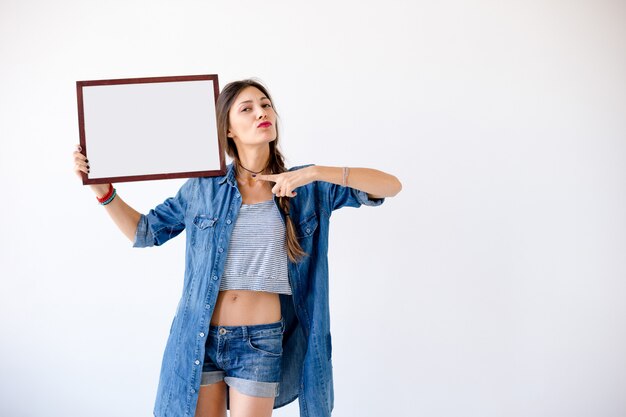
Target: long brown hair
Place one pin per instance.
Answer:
(276, 163)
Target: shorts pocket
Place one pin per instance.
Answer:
(271, 345)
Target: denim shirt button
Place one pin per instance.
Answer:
(197, 362)
(220, 250)
(208, 306)
(201, 334)
(228, 221)
(215, 277)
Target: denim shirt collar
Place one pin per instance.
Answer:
(230, 175)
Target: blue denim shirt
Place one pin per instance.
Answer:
(207, 208)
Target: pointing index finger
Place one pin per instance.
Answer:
(265, 177)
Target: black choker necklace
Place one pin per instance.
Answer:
(253, 171)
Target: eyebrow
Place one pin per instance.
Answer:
(250, 101)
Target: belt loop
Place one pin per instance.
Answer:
(244, 332)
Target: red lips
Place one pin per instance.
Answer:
(264, 124)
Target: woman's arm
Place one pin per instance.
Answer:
(124, 216)
(377, 184)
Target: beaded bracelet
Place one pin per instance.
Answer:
(346, 171)
(104, 203)
(106, 196)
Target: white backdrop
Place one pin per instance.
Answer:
(492, 285)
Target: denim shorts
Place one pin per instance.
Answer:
(245, 357)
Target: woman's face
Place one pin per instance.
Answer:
(251, 118)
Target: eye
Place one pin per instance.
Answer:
(247, 108)
(268, 105)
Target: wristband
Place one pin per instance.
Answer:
(106, 196)
(104, 203)
(346, 171)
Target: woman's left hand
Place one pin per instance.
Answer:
(288, 181)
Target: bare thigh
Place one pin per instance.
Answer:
(212, 400)
(242, 405)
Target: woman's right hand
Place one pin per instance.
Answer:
(81, 164)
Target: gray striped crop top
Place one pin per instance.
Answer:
(257, 252)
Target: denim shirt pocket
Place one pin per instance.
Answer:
(307, 227)
(202, 230)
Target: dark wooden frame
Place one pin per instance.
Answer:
(83, 142)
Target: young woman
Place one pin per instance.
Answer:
(252, 329)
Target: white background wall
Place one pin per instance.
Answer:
(492, 285)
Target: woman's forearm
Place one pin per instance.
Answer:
(375, 183)
(124, 216)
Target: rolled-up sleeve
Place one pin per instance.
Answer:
(165, 221)
(143, 236)
(336, 196)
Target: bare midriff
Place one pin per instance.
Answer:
(245, 307)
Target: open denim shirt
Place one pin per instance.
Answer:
(207, 207)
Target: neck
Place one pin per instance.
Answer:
(254, 159)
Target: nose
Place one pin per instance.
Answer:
(262, 113)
